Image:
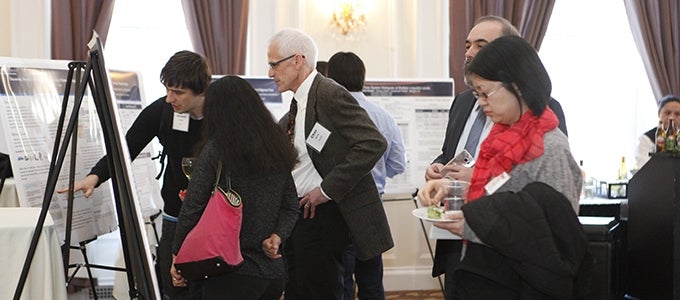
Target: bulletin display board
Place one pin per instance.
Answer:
(419, 106)
(31, 96)
(421, 109)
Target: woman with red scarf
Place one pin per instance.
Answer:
(524, 146)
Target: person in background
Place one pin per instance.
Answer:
(669, 107)
(460, 135)
(347, 69)
(176, 120)
(322, 67)
(257, 157)
(524, 146)
(337, 146)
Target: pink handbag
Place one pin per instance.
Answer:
(212, 247)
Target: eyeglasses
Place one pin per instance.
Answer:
(273, 65)
(486, 95)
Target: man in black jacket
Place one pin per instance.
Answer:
(176, 121)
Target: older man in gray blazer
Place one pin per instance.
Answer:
(337, 146)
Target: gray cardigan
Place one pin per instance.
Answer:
(556, 168)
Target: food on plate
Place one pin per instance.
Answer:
(435, 212)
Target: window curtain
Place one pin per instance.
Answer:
(72, 25)
(218, 30)
(531, 18)
(656, 31)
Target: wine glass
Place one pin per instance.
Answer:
(188, 166)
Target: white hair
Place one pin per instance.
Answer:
(292, 41)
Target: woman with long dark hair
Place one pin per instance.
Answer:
(257, 159)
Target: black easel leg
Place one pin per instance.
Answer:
(51, 184)
(83, 250)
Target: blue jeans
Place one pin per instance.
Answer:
(368, 274)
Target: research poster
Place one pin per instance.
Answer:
(419, 106)
(31, 97)
(269, 92)
(421, 109)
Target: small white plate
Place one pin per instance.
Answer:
(421, 213)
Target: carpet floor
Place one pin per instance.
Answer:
(414, 295)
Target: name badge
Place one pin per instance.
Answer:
(496, 183)
(317, 137)
(180, 122)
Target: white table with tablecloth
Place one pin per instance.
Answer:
(8, 195)
(46, 279)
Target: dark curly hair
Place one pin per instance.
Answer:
(244, 130)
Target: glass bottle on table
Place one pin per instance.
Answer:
(623, 170)
(671, 140)
(660, 138)
(583, 180)
(677, 138)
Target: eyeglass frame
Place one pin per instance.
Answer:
(487, 95)
(273, 65)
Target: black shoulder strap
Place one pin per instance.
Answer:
(162, 161)
(164, 131)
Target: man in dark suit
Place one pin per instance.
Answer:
(459, 132)
(337, 146)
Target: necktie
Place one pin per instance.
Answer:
(290, 129)
(475, 132)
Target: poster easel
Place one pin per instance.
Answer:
(141, 277)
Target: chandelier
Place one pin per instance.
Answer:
(348, 19)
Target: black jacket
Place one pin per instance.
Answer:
(536, 244)
(155, 121)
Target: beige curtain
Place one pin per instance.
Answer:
(529, 16)
(218, 30)
(656, 30)
(72, 25)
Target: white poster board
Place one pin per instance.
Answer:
(421, 109)
(419, 106)
(31, 96)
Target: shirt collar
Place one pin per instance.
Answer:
(302, 92)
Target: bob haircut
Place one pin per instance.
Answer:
(514, 62)
(347, 69)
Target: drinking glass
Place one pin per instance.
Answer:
(456, 193)
(188, 166)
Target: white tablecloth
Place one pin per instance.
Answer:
(8, 196)
(46, 278)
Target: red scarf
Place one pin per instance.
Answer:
(507, 146)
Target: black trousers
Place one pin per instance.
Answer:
(314, 254)
(446, 258)
(368, 274)
(241, 287)
(471, 286)
(164, 261)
